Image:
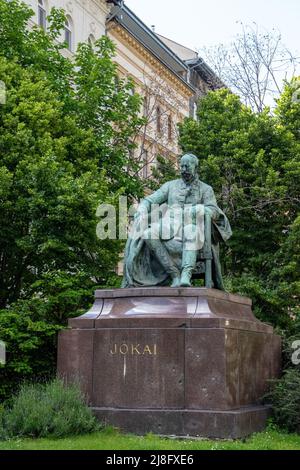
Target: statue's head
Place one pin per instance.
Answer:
(188, 167)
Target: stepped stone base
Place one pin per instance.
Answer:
(186, 361)
(233, 424)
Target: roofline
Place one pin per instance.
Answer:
(115, 2)
(178, 44)
(186, 65)
(187, 84)
(201, 65)
(114, 16)
(154, 36)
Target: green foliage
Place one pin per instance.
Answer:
(66, 133)
(30, 342)
(288, 107)
(50, 409)
(29, 327)
(285, 399)
(61, 153)
(285, 274)
(267, 305)
(112, 439)
(33, 48)
(48, 202)
(252, 161)
(163, 172)
(102, 99)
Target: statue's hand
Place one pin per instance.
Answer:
(208, 211)
(141, 213)
(142, 210)
(194, 210)
(137, 215)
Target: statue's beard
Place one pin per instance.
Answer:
(187, 177)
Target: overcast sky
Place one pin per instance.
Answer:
(198, 23)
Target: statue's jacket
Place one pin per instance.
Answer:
(140, 269)
(176, 192)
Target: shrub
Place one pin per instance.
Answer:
(47, 410)
(285, 399)
(30, 340)
(29, 327)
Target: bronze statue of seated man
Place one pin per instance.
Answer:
(163, 248)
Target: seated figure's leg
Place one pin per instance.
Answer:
(189, 255)
(151, 237)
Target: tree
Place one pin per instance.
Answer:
(62, 153)
(251, 160)
(254, 65)
(65, 133)
(158, 134)
(288, 107)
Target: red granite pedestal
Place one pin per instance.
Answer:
(186, 361)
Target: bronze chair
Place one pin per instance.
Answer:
(204, 259)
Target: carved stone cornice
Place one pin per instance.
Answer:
(93, 6)
(127, 39)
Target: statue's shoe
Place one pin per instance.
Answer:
(185, 280)
(176, 282)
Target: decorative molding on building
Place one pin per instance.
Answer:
(160, 68)
(94, 7)
(93, 27)
(69, 7)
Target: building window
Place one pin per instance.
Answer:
(69, 33)
(145, 164)
(42, 14)
(195, 109)
(117, 84)
(158, 119)
(91, 40)
(145, 106)
(130, 82)
(132, 90)
(188, 76)
(170, 125)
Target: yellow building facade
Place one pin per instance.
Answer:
(166, 96)
(169, 77)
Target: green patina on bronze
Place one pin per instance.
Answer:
(164, 260)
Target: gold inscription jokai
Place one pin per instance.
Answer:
(133, 349)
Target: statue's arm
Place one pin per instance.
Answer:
(210, 203)
(158, 197)
(221, 223)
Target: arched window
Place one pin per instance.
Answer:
(145, 164)
(131, 84)
(145, 106)
(69, 33)
(91, 39)
(42, 14)
(170, 125)
(195, 110)
(158, 119)
(132, 90)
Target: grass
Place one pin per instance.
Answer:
(112, 439)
